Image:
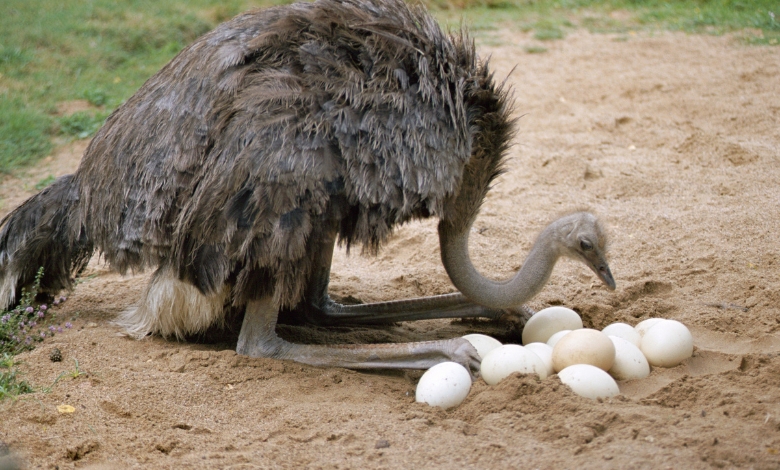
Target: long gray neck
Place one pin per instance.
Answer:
(521, 288)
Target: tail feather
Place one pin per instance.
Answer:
(171, 307)
(39, 234)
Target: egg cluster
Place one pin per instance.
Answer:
(555, 341)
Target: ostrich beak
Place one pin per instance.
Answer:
(603, 272)
(597, 262)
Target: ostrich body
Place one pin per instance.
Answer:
(235, 169)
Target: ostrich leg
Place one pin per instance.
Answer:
(258, 339)
(578, 235)
(323, 310)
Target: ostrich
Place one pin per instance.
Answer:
(235, 169)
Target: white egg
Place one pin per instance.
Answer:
(557, 337)
(444, 385)
(645, 325)
(549, 321)
(625, 331)
(630, 363)
(667, 343)
(509, 358)
(482, 343)
(545, 354)
(589, 381)
(584, 346)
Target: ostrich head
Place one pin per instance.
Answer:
(580, 236)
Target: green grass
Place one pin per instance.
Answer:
(11, 384)
(101, 51)
(757, 21)
(81, 124)
(24, 133)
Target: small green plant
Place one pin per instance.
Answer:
(81, 124)
(44, 182)
(549, 30)
(75, 372)
(548, 34)
(535, 49)
(27, 324)
(10, 384)
(96, 96)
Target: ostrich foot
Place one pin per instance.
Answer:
(258, 339)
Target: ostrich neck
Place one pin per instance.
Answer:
(533, 275)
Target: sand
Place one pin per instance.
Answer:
(672, 139)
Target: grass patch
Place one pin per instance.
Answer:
(535, 49)
(548, 33)
(81, 124)
(757, 20)
(44, 182)
(10, 383)
(96, 97)
(25, 134)
(102, 51)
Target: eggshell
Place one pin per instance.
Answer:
(549, 321)
(625, 331)
(444, 385)
(630, 363)
(557, 337)
(667, 343)
(545, 354)
(509, 358)
(584, 346)
(589, 381)
(645, 325)
(482, 343)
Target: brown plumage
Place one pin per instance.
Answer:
(280, 118)
(245, 157)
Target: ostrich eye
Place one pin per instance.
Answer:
(586, 245)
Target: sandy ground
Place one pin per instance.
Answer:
(673, 139)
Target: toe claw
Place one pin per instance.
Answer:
(466, 355)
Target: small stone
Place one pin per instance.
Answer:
(382, 444)
(56, 355)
